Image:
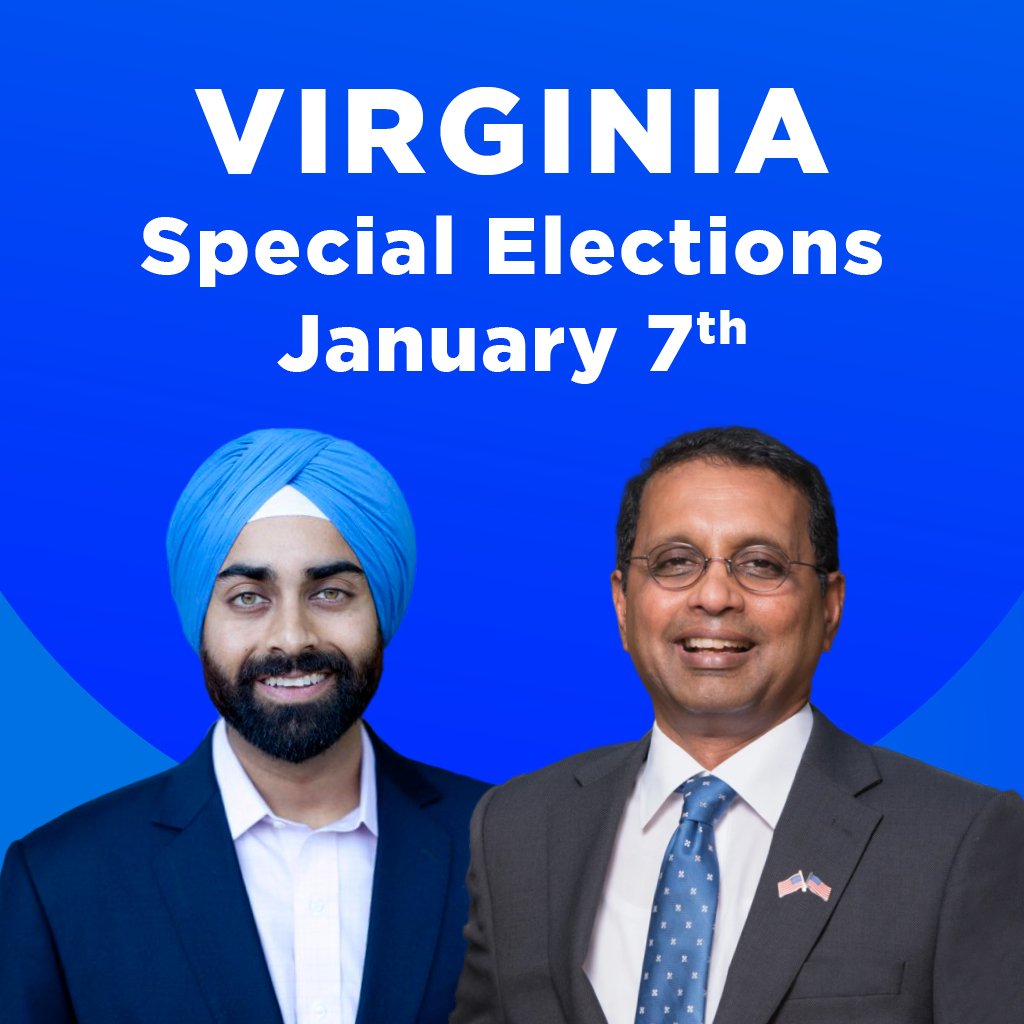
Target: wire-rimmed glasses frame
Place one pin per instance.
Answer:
(757, 568)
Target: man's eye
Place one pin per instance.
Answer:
(332, 594)
(248, 599)
(762, 565)
(675, 563)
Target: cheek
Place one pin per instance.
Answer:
(654, 607)
(647, 622)
(802, 634)
(228, 658)
(354, 634)
(227, 644)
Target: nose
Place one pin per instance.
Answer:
(717, 590)
(291, 627)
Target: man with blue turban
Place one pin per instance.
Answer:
(294, 870)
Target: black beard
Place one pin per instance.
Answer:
(294, 732)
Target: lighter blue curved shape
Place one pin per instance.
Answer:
(972, 726)
(58, 746)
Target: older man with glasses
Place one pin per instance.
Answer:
(746, 862)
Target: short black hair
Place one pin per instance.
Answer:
(737, 446)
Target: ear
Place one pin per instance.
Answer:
(833, 599)
(619, 600)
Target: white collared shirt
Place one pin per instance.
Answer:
(762, 775)
(309, 890)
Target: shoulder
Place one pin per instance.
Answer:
(926, 778)
(902, 788)
(921, 790)
(463, 789)
(95, 832)
(111, 829)
(104, 814)
(525, 796)
(447, 794)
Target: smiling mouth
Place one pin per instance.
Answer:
(295, 682)
(695, 644)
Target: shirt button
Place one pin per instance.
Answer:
(278, 824)
(317, 906)
(319, 1010)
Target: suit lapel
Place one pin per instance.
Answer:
(410, 891)
(199, 878)
(580, 845)
(823, 829)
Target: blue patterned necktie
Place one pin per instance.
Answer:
(674, 980)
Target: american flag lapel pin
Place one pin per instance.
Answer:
(818, 887)
(795, 883)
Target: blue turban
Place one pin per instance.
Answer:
(351, 488)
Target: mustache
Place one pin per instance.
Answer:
(255, 668)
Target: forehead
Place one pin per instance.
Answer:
(707, 503)
(282, 542)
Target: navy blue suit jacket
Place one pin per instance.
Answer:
(132, 908)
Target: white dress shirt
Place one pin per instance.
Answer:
(762, 775)
(309, 890)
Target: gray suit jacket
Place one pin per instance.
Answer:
(925, 924)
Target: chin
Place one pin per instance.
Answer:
(711, 709)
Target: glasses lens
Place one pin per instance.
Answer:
(760, 568)
(676, 565)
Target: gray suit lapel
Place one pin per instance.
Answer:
(198, 876)
(823, 829)
(581, 836)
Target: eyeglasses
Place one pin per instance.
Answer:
(759, 568)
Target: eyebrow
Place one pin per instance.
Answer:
(264, 574)
(750, 541)
(321, 572)
(261, 573)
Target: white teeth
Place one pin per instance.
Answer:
(300, 681)
(707, 643)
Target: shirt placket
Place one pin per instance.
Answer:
(317, 931)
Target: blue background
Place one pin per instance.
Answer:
(903, 386)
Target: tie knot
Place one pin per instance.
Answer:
(705, 798)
